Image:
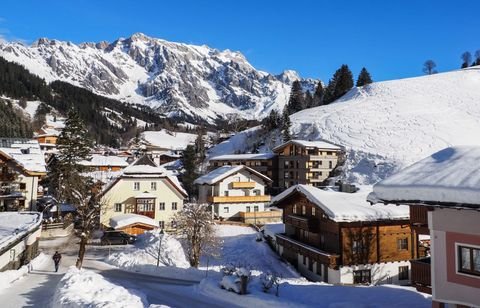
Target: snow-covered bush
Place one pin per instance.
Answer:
(268, 280)
(235, 279)
(83, 288)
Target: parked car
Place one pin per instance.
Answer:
(117, 238)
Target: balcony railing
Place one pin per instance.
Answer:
(243, 184)
(306, 223)
(418, 215)
(421, 275)
(235, 199)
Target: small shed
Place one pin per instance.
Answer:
(133, 224)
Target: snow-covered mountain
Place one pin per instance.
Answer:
(389, 125)
(178, 80)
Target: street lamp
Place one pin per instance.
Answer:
(159, 246)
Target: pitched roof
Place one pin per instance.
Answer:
(258, 156)
(123, 220)
(103, 160)
(223, 172)
(346, 207)
(321, 144)
(25, 152)
(450, 177)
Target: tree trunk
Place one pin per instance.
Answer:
(81, 251)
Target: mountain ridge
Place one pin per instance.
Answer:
(191, 82)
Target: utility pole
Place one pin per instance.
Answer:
(160, 246)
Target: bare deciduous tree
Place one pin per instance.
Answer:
(429, 67)
(195, 222)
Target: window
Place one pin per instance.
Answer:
(255, 208)
(294, 209)
(357, 247)
(469, 260)
(153, 186)
(402, 244)
(403, 273)
(304, 210)
(225, 193)
(256, 192)
(330, 164)
(161, 206)
(174, 206)
(286, 175)
(173, 224)
(313, 211)
(23, 186)
(136, 186)
(118, 207)
(248, 209)
(361, 276)
(161, 224)
(225, 209)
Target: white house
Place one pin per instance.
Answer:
(143, 188)
(233, 190)
(22, 164)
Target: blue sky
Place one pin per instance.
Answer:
(391, 39)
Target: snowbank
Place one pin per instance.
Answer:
(144, 254)
(14, 225)
(9, 277)
(83, 288)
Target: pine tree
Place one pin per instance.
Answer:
(466, 58)
(341, 83)
(296, 100)
(318, 95)
(477, 58)
(273, 121)
(190, 174)
(286, 124)
(364, 78)
(200, 145)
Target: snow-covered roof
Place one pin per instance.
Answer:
(26, 152)
(46, 131)
(102, 160)
(347, 207)
(15, 225)
(123, 220)
(320, 144)
(450, 176)
(258, 156)
(223, 172)
(168, 140)
(144, 170)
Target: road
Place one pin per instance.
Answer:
(38, 287)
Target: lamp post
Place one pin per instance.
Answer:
(160, 245)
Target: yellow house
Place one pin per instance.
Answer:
(144, 189)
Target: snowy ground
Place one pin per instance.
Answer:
(187, 287)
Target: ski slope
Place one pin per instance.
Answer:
(389, 125)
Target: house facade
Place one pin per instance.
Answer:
(444, 191)
(337, 238)
(235, 192)
(265, 163)
(306, 162)
(143, 188)
(21, 166)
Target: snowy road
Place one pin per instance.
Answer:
(37, 289)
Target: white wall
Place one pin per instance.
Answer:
(123, 192)
(235, 208)
(14, 252)
(381, 273)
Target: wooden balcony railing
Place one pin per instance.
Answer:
(418, 215)
(421, 274)
(235, 199)
(243, 184)
(306, 223)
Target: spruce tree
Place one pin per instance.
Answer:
(318, 95)
(190, 174)
(364, 78)
(466, 58)
(296, 100)
(200, 144)
(341, 83)
(286, 124)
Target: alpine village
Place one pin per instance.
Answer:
(147, 173)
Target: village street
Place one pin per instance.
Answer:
(38, 287)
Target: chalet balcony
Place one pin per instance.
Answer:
(243, 184)
(419, 219)
(238, 199)
(295, 246)
(306, 223)
(421, 275)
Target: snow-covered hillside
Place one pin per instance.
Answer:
(179, 80)
(389, 125)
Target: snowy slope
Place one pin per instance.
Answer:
(389, 125)
(179, 80)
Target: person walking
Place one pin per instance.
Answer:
(56, 259)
